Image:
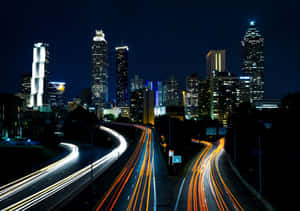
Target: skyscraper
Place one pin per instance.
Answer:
(224, 95)
(56, 91)
(253, 62)
(137, 99)
(39, 79)
(148, 107)
(26, 87)
(192, 97)
(215, 62)
(99, 70)
(173, 92)
(204, 97)
(122, 76)
(136, 83)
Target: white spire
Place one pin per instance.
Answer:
(99, 36)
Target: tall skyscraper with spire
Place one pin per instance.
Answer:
(99, 70)
(253, 62)
(122, 76)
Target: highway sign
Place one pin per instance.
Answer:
(177, 159)
(222, 131)
(211, 131)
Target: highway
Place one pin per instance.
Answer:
(135, 187)
(204, 188)
(62, 180)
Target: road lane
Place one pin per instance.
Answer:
(205, 188)
(133, 189)
(67, 181)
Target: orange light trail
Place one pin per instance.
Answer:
(141, 192)
(206, 168)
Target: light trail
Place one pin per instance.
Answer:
(206, 170)
(60, 185)
(20, 184)
(140, 195)
(196, 193)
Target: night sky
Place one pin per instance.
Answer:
(166, 38)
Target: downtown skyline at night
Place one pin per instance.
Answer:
(161, 42)
(149, 105)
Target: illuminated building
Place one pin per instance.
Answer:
(253, 62)
(268, 104)
(244, 89)
(148, 107)
(137, 99)
(56, 93)
(39, 79)
(191, 98)
(215, 61)
(99, 87)
(115, 112)
(225, 91)
(149, 85)
(26, 87)
(122, 76)
(137, 106)
(136, 83)
(125, 112)
(204, 97)
(160, 94)
(173, 92)
(159, 111)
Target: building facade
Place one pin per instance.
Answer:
(56, 92)
(225, 91)
(191, 99)
(148, 107)
(173, 92)
(99, 87)
(253, 62)
(136, 83)
(122, 76)
(39, 78)
(137, 106)
(26, 88)
(204, 98)
(215, 62)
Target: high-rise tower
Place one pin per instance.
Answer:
(99, 70)
(122, 76)
(39, 79)
(192, 97)
(253, 62)
(173, 92)
(215, 61)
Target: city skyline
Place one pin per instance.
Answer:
(75, 67)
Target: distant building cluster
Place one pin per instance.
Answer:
(140, 100)
(37, 91)
(215, 96)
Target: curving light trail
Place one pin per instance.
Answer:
(20, 184)
(96, 167)
(141, 161)
(205, 170)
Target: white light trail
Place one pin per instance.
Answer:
(19, 184)
(49, 191)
